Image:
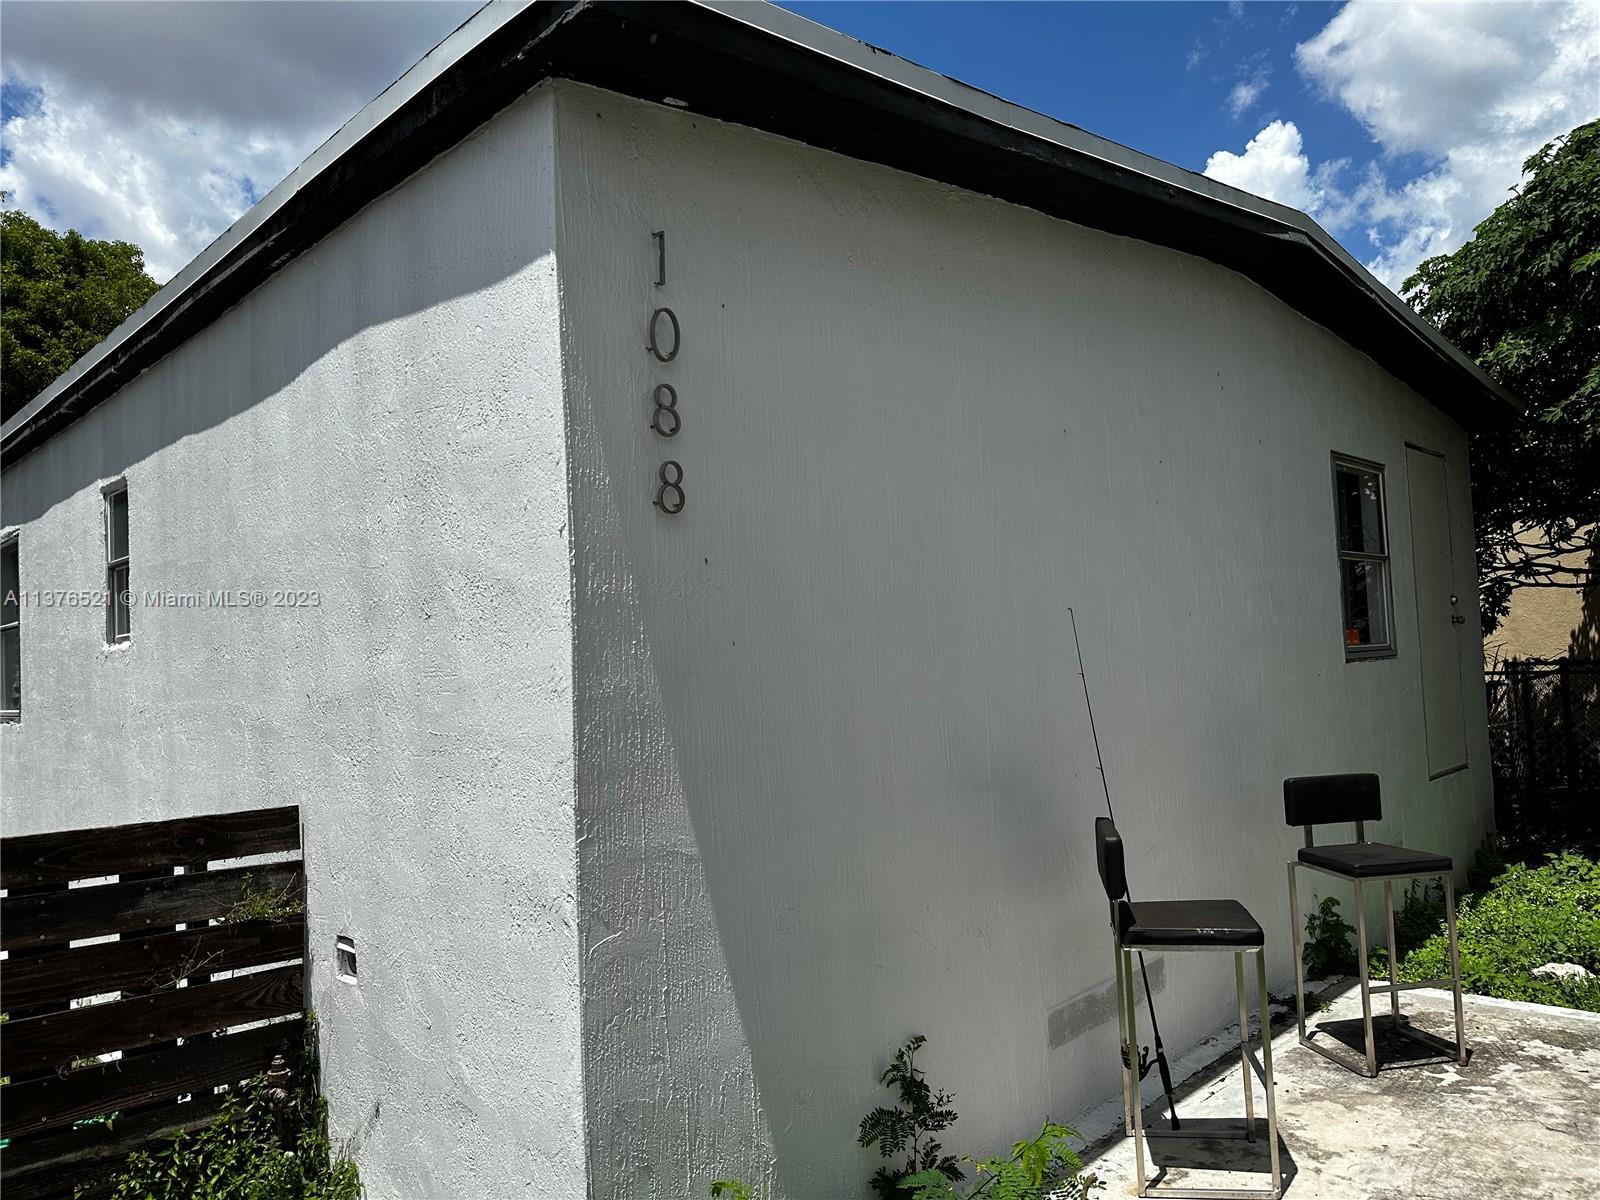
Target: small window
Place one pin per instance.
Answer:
(1363, 558)
(10, 633)
(118, 602)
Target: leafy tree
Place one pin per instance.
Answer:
(1523, 299)
(60, 294)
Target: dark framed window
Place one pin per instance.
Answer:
(10, 632)
(1364, 594)
(119, 611)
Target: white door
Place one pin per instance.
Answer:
(1439, 619)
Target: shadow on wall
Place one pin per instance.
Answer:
(412, 250)
(785, 870)
(1586, 637)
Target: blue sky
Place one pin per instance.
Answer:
(1156, 76)
(1397, 126)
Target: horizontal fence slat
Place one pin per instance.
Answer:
(30, 1109)
(40, 1043)
(147, 962)
(122, 849)
(54, 917)
(52, 1165)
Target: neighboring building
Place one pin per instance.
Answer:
(1551, 623)
(656, 833)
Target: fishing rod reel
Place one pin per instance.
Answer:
(1144, 1059)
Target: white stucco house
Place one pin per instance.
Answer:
(664, 784)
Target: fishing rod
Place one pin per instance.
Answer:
(1143, 1065)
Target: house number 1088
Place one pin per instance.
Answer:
(665, 420)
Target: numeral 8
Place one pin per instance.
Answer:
(674, 503)
(669, 407)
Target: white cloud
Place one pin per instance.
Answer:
(1246, 92)
(1273, 165)
(160, 123)
(1471, 88)
(1455, 95)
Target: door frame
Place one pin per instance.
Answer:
(1466, 742)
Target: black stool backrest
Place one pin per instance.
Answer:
(1329, 799)
(1108, 856)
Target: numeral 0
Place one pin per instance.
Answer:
(654, 345)
(672, 503)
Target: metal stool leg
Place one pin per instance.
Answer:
(1299, 963)
(1361, 968)
(1128, 1057)
(1129, 1028)
(1244, 1050)
(1455, 965)
(1393, 956)
(1133, 1040)
(1266, 1071)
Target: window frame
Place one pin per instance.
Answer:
(1385, 560)
(11, 543)
(110, 492)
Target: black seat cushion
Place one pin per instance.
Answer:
(1362, 860)
(1189, 923)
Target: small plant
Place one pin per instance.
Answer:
(731, 1189)
(259, 904)
(1419, 917)
(1327, 950)
(254, 1149)
(908, 1127)
(1044, 1165)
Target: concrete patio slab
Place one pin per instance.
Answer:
(1521, 1120)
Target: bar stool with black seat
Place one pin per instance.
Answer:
(1344, 799)
(1170, 925)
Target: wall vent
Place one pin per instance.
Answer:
(344, 952)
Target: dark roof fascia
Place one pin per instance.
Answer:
(763, 67)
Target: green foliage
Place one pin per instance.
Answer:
(1523, 299)
(60, 294)
(258, 904)
(1327, 950)
(1044, 1165)
(907, 1127)
(252, 1150)
(1529, 916)
(732, 1189)
(1418, 916)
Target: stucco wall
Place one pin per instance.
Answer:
(1552, 622)
(381, 422)
(834, 778)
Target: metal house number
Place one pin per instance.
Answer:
(655, 345)
(669, 496)
(666, 410)
(665, 419)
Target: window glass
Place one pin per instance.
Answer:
(1360, 498)
(1366, 620)
(10, 610)
(10, 633)
(118, 618)
(117, 525)
(1363, 558)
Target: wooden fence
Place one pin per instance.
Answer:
(150, 1023)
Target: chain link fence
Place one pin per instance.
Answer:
(1544, 741)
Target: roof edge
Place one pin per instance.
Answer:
(766, 68)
